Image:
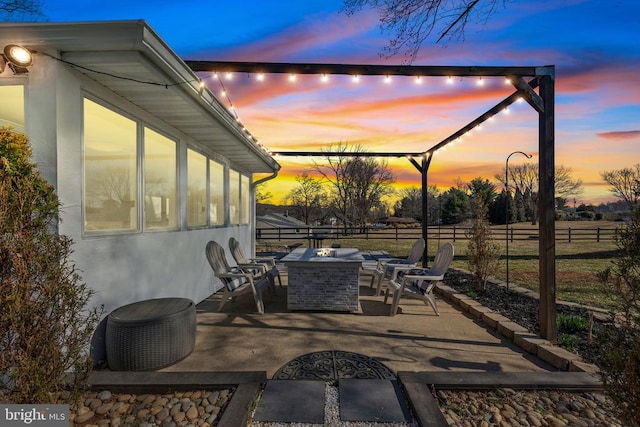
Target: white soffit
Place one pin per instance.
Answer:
(131, 49)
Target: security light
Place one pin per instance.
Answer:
(18, 58)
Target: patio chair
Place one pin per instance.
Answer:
(385, 266)
(259, 265)
(418, 283)
(236, 281)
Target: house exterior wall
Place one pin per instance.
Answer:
(120, 268)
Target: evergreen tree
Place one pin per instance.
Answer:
(45, 328)
(456, 206)
(518, 208)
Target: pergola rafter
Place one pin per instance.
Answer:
(542, 77)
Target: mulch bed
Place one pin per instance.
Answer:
(524, 310)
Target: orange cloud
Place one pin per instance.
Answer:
(629, 134)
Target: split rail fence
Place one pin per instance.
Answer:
(316, 235)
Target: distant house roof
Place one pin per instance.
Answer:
(130, 59)
(280, 221)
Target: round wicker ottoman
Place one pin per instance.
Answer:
(151, 334)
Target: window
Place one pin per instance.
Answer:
(234, 197)
(244, 199)
(110, 170)
(131, 176)
(216, 193)
(196, 189)
(12, 107)
(160, 197)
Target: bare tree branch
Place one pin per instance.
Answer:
(413, 21)
(21, 10)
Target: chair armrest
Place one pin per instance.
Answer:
(421, 277)
(234, 276)
(261, 268)
(397, 268)
(270, 260)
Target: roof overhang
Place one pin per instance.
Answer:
(130, 59)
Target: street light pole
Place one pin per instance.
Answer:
(506, 222)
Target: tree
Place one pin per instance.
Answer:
(625, 184)
(482, 189)
(20, 10)
(414, 21)
(410, 204)
(262, 195)
(45, 327)
(306, 198)
(524, 178)
(455, 206)
(358, 182)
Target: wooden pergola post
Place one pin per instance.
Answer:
(424, 169)
(546, 210)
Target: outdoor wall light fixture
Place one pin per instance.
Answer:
(18, 58)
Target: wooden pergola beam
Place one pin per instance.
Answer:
(358, 69)
(527, 92)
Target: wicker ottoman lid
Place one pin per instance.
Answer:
(150, 309)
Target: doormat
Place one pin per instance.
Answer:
(330, 365)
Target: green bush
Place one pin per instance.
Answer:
(620, 340)
(567, 341)
(45, 327)
(570, 324)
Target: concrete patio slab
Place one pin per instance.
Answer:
(240, 339)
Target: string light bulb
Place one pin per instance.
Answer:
(355, 78)
(324, 78)
(260, 77)
(418, 80)
(229, 76)
(292, 77)
(480, 81)
(450, 80)
(387, 79)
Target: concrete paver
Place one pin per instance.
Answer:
(290, 401)
(372, 400)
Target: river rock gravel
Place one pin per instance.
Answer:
(514, 408)
(200, 408)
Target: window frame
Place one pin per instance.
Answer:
(177, 210)
(139, 177)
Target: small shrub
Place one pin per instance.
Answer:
(44, 326)
(567, 341)
(483, 252)
(571, 324)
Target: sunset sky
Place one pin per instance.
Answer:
(594, 45)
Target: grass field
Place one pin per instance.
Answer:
(576, 263)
